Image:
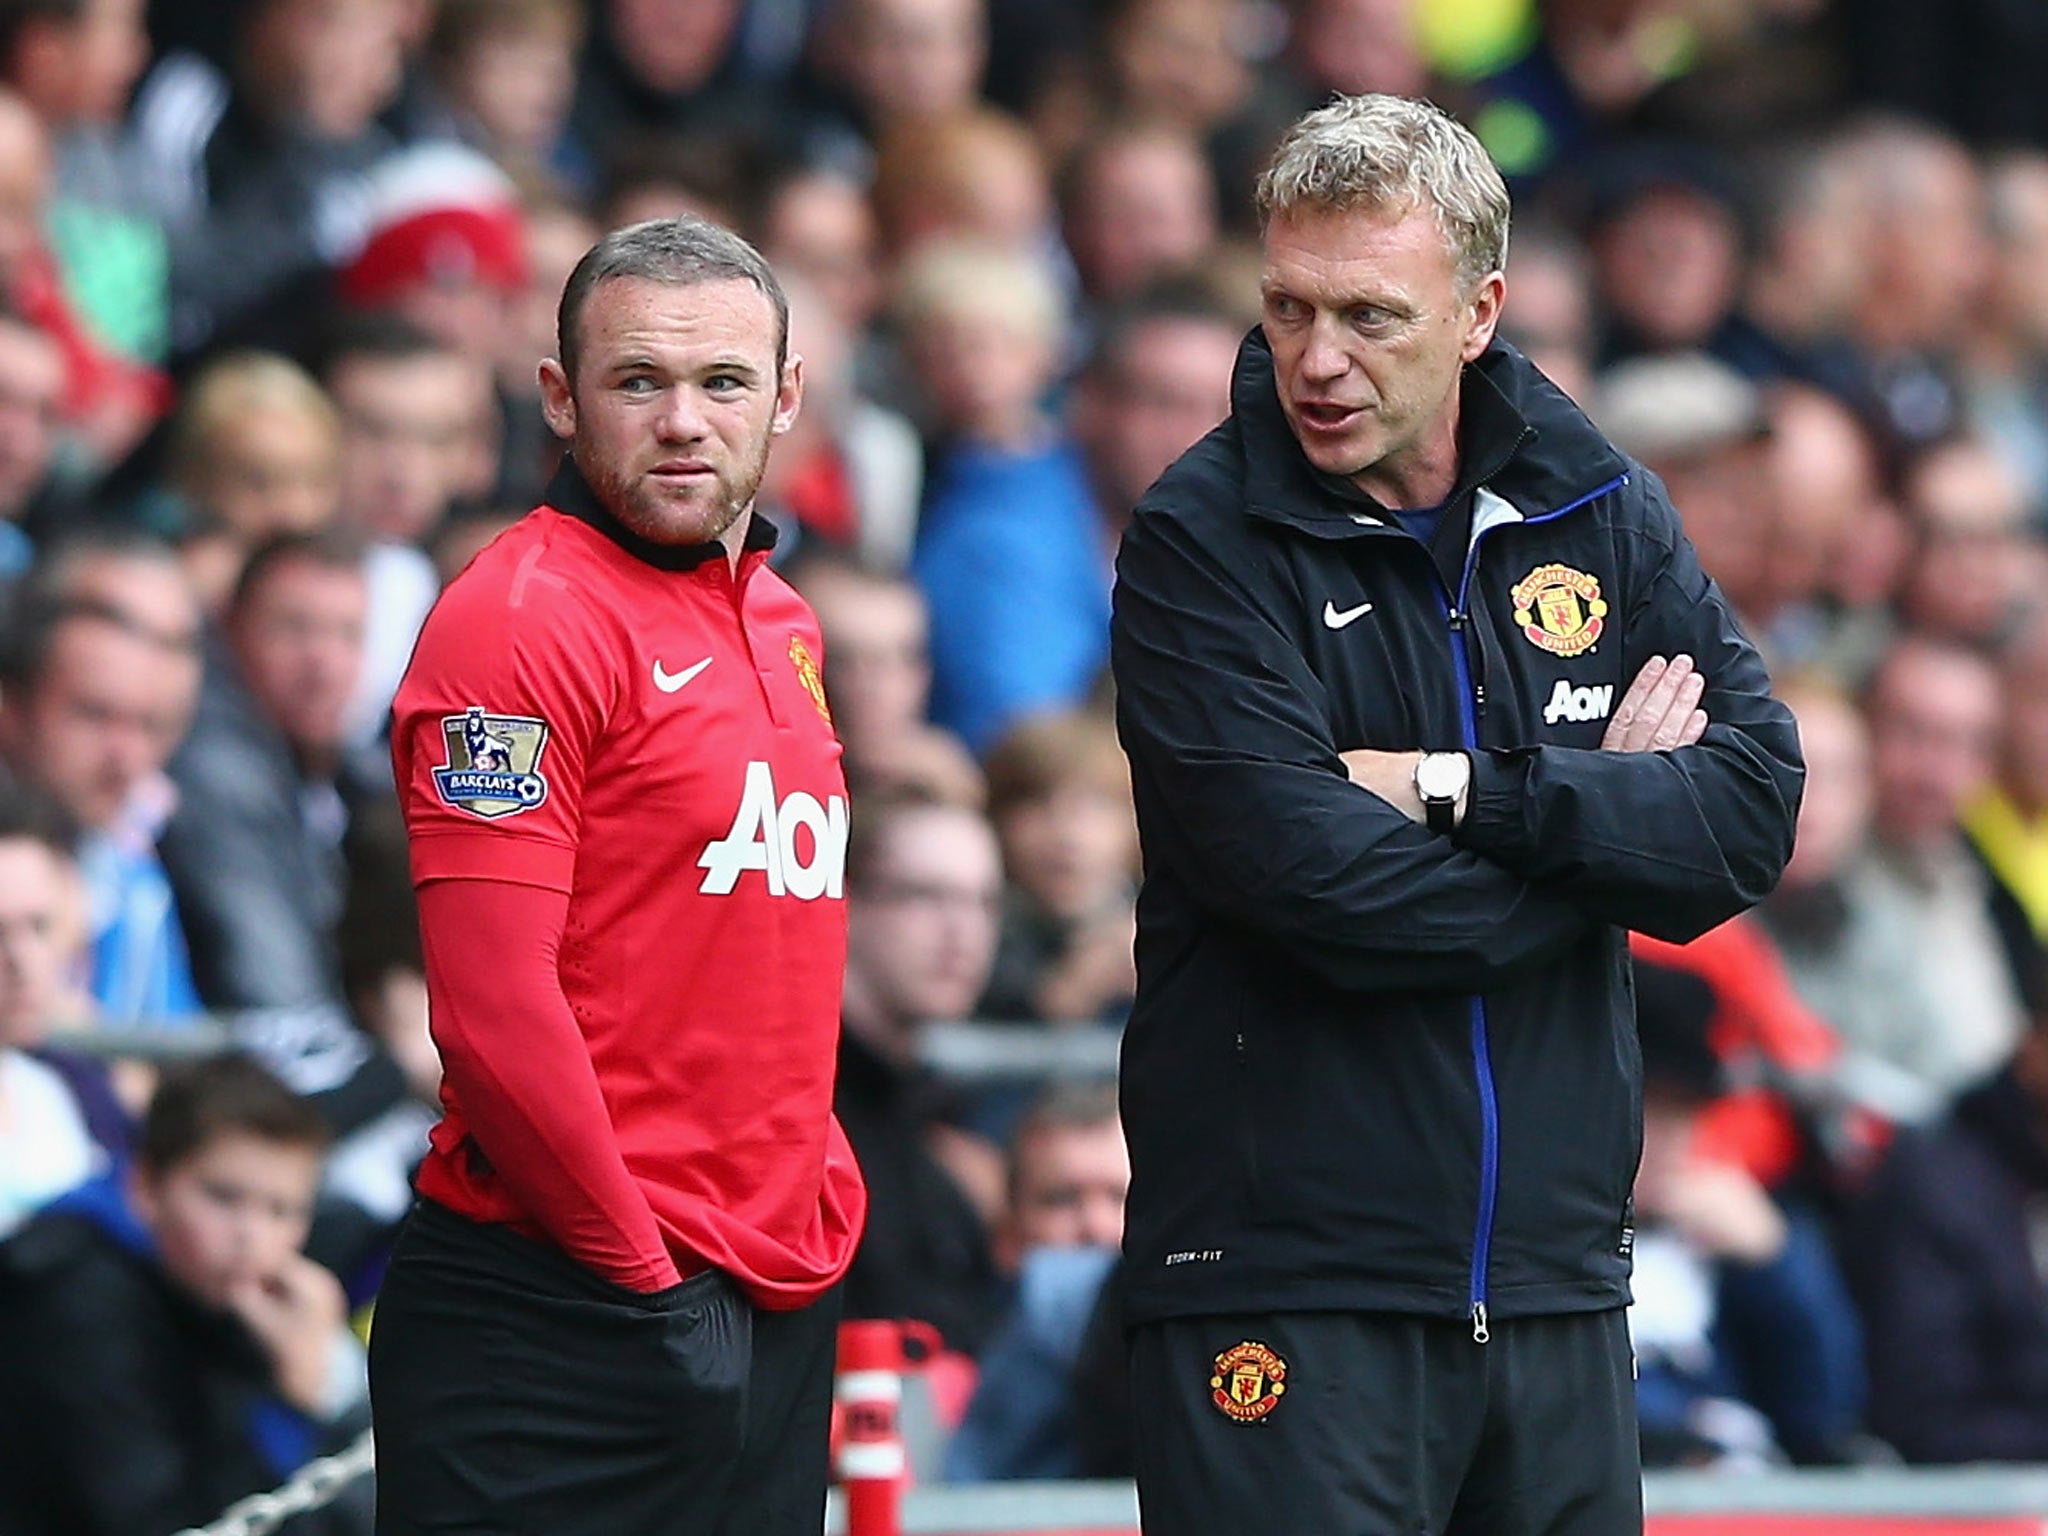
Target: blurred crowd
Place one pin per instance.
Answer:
(274, 279)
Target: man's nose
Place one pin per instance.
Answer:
(682, 417)
(1324, 357)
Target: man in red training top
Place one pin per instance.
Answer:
(613, 1309)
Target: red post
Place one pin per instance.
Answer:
(870, 1462)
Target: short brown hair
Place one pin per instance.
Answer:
(459, 25)
(1084, 1104)
(1045, 752)
(200, 1103)
(681, 252)
(331, 549)
(936, 163)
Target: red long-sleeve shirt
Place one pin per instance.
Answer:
(628, 830)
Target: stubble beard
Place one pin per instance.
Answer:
(642, 505)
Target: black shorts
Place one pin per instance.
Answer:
(1374, 1424)
(515, 1393)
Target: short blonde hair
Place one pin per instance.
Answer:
(1394, 154)
(235, 386)
(959, 279)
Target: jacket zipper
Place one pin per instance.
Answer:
(1471, 702)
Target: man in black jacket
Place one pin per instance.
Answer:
(1427, 700)
(1952, 1277)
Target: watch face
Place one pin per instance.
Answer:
(1440, 776)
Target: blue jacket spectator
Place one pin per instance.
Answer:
(140, 968)
(166, 1349)
(1020, 1421)
(1011, 559)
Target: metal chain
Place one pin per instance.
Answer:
(314, 1486)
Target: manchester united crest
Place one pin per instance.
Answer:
(807, 673)
(1560, 609)
(1248, 1382)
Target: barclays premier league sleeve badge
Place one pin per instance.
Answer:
(493, 763)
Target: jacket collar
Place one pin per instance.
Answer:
(1519, 437)
(570, 494)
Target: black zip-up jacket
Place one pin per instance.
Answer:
(1371, 1067)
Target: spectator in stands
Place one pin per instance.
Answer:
(1849, 951)
(267, 786)
(255, 450)
(118, 569)
(1935, 727)
(444, 246)
(1008, 549)
(557, 235)
(60, 1124)
(168, 1347)
(973, 175)
(507, 75)
(33, 507)
(1814, 212)
(1068, 1174)
(255, 163)
(666, 176)
(1978, 566)
(2005, 356)
(1137, 205)
(1929, 261)
(265, 783)
(1549, 310)
(383, 968)
(1060, 800)
(74, 63)
(878, 675)
(1355, 46)
(1954, 1283)
(924, 886)
(2008, 819)
(1787, 1331)
(817, 224)
(416, 421)
(1177, 61)
(1700, 425)
(1827, 486)
(1156, 379)
(893, 61)
(664, 66)
(849, 473)
(109, 400)
(1666, 240)
(91, 708)
(1693, 1216)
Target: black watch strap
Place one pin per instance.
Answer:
(1442, 816)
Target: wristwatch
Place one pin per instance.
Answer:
(1441, 781)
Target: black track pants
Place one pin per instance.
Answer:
(517, 1394)
(1384, 1425)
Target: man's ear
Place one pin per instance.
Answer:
(1487, 301)
(789, 396)
(557, 402)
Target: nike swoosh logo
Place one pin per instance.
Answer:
(669, 682)
(1338, 620)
